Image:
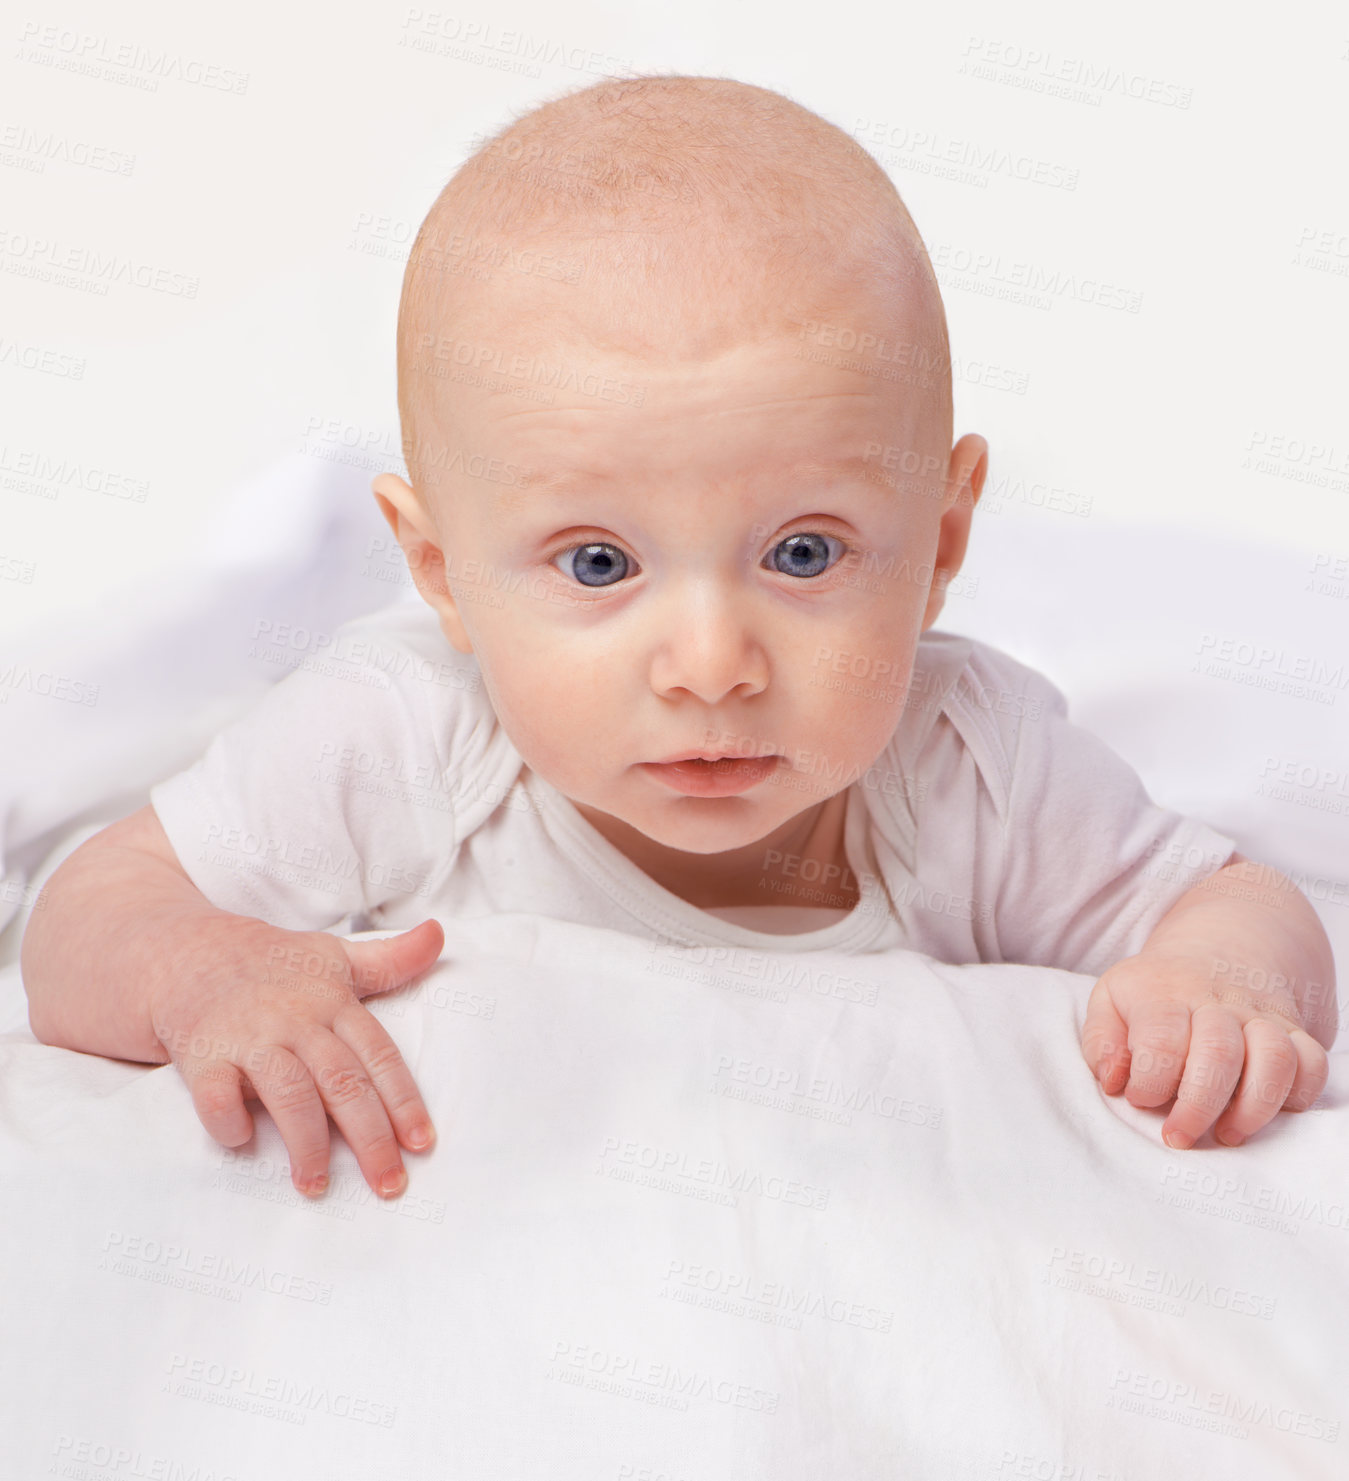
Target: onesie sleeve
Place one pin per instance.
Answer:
(336, 791)
(1090, 862)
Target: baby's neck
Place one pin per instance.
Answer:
(737, 877)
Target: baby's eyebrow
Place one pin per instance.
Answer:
(561, 479)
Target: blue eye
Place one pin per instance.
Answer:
(805, 554)
(600, 564)
(594, 565)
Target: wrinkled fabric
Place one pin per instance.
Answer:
(692, 1213)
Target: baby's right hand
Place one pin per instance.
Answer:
(277, 1016)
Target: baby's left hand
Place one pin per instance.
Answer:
(1156, 1029)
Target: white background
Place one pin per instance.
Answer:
(1225, 220)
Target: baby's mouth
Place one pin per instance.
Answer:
(708, 758)
(714, 776)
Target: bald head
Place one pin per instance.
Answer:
(679, 216)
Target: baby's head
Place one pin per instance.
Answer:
(676, 406)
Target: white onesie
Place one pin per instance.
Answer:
(373, 787)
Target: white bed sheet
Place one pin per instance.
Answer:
(854, 1217)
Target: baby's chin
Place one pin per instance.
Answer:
(695, 825)
(702, 825)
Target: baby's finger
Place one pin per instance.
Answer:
(355, 1105)
(1159, 1041)
(381, 966)
(283, 1084)
(218, 1099)
(358, 1028)
(1105, 1040)
(1313, 1070)
(1212, 1069)
(1271, 1067)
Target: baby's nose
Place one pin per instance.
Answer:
(711, 648)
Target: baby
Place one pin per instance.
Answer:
(675, 393)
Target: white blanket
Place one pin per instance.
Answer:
(754, 1217)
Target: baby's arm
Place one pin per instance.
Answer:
(125, 957)
(1232, 999)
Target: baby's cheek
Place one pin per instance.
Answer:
(859, 697)
(553, 714)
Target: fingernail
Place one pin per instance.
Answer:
(393, 1182)
(419, 1137)
(317, 1185)
(1229, 1138)
(1176, 1141)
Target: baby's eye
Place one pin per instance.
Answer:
(593, 565)
(804, 554)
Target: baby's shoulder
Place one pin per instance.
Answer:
(402, 649)
(393, 673)
(969, 696)
(404, 627)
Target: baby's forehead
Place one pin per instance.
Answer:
(653, 311)
(530, 394)
(753, 444)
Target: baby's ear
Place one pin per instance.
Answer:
(412, 526)
(414, 531)
(395, 497)
(969, 466)
(979, 473)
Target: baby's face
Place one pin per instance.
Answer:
(740, 566)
